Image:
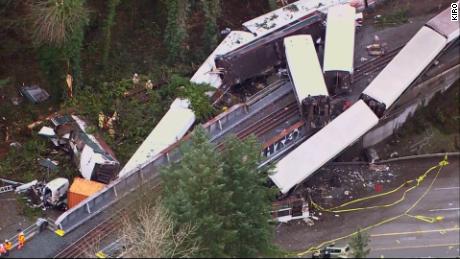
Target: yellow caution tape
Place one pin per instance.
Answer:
(60, 232)
(406, 213)
(418, 180)
(101, 254)
(427, 218)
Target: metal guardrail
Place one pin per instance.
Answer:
(29, 232)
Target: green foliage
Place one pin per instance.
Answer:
(4, 82)
(222, 195)
(52, 66)
(21, 163)
(211, 9)
(60, 25)
(136, 118)
(194, 193)
(359, 243)
(26, 211)
(196, 93)
(55, 21)
(393, 19)
(249, 204)
(72, 52)
(272, 4)
(176, 31)
(112, 6)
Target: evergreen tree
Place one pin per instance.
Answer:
(211, 9)
(194, 194)
(222, 195)
(249, 206)
(359, 244)
(176, 31)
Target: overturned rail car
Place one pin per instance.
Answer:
(262, 55)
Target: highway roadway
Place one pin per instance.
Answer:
(394, 231)
(410, 237)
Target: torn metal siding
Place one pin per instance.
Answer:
(94, 158)
(253, 59)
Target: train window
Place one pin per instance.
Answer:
(283, 213)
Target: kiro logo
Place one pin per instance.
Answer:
(454, 12)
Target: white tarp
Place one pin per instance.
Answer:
(172, 127)
(304, 68)
(340, 39)
(323, 146)
(406, 66)
(207, 71)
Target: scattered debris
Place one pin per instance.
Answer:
(16, 100)
(371, 155)
(51, 165)
(8, 188)
(69, 81)
(95, 159)
(47, 132)
(34, 93)
(25, 187)
(309, 222)
(375, 50)
(225, 31)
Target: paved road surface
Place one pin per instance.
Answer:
(409, 237)
(403, 237)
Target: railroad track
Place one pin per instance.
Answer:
(85, 245)
(268, 122)
(82, 247)
(375, 64)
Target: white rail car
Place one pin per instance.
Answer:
(443, 24)
(307, 78)
(339, 47)
(172, 127)
(410, 62)
(323, 146)
(304, 68)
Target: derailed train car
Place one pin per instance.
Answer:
(307, 79)
(438, 34)
(339, 48)
(265, 53)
